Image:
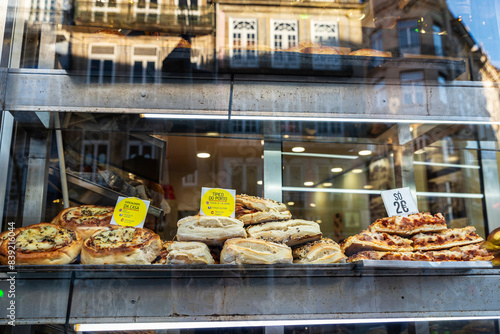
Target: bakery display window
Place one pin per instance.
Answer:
(319, 126)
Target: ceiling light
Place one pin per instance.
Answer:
(203, 155)
(368, 186)
(286, 136)
(309, 183)
(365, 152)
(420, 151)
(259, 323)
(319, 221)
(259, 182)
(357, 171)
(290, 203)
(336, 170)
(212, 134)
(411, 129)
(320, 155)
(327, 184)
(312, 205)
(298, 149)
(262, 142)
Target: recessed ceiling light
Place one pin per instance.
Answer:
(286, 136)
(327, 184)
(336, 170)
(291, 203)
(262, 142)
(203, 155)
(259, 182)
(368, 186)
(411, 129)
(319, 221)
(213, 134)
(298, 149)
(357, 171)
(365, 152)
(420, 151)
(309, 183)
(312, 205)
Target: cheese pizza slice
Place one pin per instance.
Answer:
(446, 239)
(367, 240)
(407, 226)
(42, 243)
(85, 219)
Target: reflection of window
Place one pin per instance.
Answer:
(139, 148)
(325, 33)
(242, 40)
(145, 63)
(95, 153)
(186, 8)
(443, 97)
(284, 35)
(412, 87)
(147, 11)
(101, 63)
(438, 42)
(409, 38)
(102, 8)
(377, 41)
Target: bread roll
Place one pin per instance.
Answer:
(323, 251)
(211, 230)
(256, 210)
(178, 252)
(254, 251)
(290, 232)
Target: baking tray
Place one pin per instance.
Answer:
(395, 264)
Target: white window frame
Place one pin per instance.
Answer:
(145, 59)
(141, 145)
(187, 12)
(248, 58)
(317, 35)
(147, 10)
(102, 58)
(285, 59)
(105, 9)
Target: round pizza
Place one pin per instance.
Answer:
(42, 243)
(121, 245)
(85, 219)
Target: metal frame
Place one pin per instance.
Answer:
(225, 292)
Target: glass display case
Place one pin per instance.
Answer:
(318, 105)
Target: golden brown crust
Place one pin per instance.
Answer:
(465, 253)
(121, 245)
(494, 237)
(257, 210)
(42, 244)
(370, 53)
(85, 219)
(413, 224)
(258, 203)
(375, 241)
(446, 239)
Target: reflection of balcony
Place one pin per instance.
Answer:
(138, 16)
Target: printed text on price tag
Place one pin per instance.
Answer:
(399, 202)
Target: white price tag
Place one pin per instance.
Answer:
(399, 202)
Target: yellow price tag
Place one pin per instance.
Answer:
(218, 202)
(130, 211)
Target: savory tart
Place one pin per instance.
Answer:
(121, 245)
(407, 226)
(42, 243)
(85, 219)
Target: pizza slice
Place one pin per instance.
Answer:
(367, 240)
(446, 239)
(42, 243)
(121, 245)
(85, 219)
(407, 226)
(398, 256)
(466, 253)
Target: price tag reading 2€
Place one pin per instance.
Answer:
(130, 211)
(399, 202)
(218, 202)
